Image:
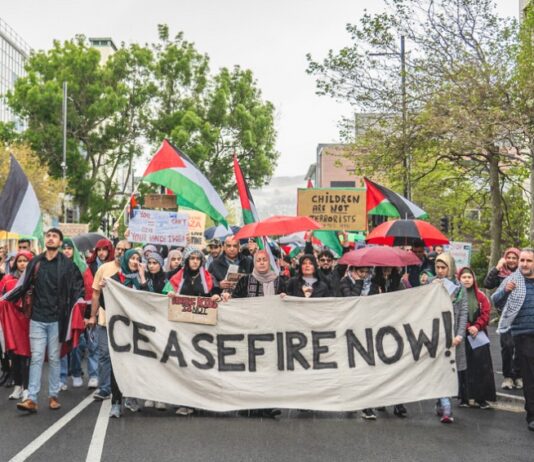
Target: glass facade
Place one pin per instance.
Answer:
(13, 54)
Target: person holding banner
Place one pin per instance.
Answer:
(358, 282)
(195, 281)
(446, 275)
(16, 329)
(231, 258)
(477, 381)
(308, 282)
(129, 276)
(262, 282)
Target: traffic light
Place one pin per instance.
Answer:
(70, 216)
(103, 224)
(444, 224)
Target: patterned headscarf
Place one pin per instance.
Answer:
(131, 279)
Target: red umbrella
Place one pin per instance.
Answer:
(379, 256)
(279, 225)
(405, 232)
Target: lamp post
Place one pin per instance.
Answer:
(64, 161)
(406, 158)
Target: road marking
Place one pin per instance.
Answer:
(99, 434)
(51, 431)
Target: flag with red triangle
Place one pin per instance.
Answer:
(172, 169)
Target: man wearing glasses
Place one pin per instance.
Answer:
(106, 270)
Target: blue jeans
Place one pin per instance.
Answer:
(43, 336)
(64, 369)
(104, 361)
(86, 343)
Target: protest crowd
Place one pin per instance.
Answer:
(45, 294)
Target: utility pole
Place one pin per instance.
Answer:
(64, 162)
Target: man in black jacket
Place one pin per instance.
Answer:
(57, 286)
(230, 256)
(510, 363)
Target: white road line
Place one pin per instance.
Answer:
(51, 431)
(99, 434)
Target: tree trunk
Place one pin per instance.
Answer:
(496, 206)
(532, 194)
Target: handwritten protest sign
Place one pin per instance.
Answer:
(197, 225)
(461, 252)
(335, 209)
(196, 310)
(158, 227)
(329, 354)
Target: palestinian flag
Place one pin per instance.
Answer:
(250, 215)
(291, 250)
(19, 208)
(172, 169)
(384, 201)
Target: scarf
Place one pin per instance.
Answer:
(167, 267)
(472, 304)
(77, 258)
(177, 281)
(514, 303)
(505, 271)
(129, 278)
(266, 279)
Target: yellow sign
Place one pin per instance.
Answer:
(336, 209)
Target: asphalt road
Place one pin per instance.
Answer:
(493, 435)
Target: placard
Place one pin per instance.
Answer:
(158, 227)
(197, 225)
(336, 209)
(161, 201)
(195, 310)
(461, 252)
(74, 229)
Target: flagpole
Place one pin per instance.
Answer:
(134, 192)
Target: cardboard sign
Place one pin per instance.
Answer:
(74, 229)
(461, 252)
(197, 225)
(336, 209)
(196, 310)
(157, 227)
(160, 201)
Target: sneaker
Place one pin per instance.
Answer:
(463, 404)
(368, 414)
(149, 403)
(77, 382)
(400, 411)
(99, 396)
(531, 426)
(507, 383)
(115, 411)
(484, 405)
(93, 383)
(25, 395)
(160, 406)
(27, 405)
(17, 393)
(182, 410)
(447, 419)
(63, 387)
(131, 404)
(518, 384)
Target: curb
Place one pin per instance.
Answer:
(512, 403)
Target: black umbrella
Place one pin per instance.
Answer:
(87, 241)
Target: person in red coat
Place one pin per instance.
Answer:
(477, 381)
(16, 328)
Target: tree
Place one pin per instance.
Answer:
(458, 77)
(106, 103)
(212, 117)
(46, 188)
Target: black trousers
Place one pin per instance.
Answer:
(116, 394)
(20, 367)
(525, 352)
(510, 362)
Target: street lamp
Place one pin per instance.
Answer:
(64, 162)
(406, 158)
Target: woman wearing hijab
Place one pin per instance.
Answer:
(307, 283)
(388, 279)
(358, 282)
(446, 274)
(477, 381)
(16, 329)
(262, 282)
(173, 263)
(193, 279)
(128, 276)
(153, 279)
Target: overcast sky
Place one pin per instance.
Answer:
(270, 37)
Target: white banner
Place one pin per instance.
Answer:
(157, 227)
(333, 354)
